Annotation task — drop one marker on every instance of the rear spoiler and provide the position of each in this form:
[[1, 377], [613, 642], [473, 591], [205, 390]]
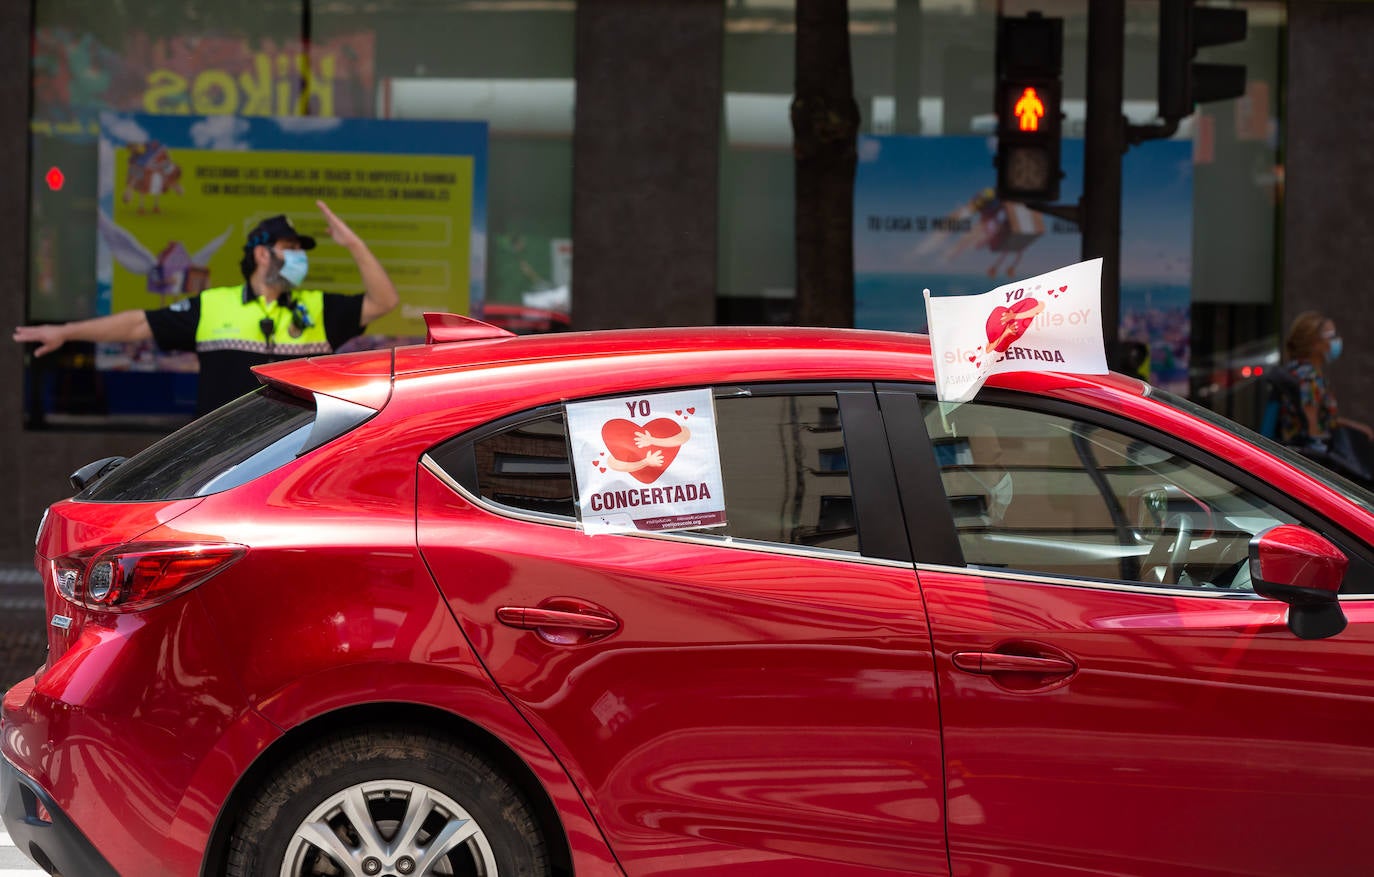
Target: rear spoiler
[[442, 328]]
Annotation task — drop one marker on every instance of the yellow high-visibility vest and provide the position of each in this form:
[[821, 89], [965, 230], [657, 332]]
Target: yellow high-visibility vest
[[229, 323]]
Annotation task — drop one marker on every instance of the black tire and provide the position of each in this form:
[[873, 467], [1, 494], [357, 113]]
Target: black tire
[[384, 770]]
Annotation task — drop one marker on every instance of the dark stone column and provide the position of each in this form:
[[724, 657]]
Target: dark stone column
[[1329, 177], [645, 146], [18, 514], [33, 465], [22, 631]]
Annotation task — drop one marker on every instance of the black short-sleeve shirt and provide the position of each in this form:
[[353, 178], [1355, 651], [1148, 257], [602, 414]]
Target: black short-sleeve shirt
[[227, 374]]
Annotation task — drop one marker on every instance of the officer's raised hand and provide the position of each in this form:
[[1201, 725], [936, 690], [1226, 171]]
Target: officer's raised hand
[[380, 294], [338, 229]]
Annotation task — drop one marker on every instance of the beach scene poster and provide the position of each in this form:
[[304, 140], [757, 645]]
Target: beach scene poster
[[926, 215]]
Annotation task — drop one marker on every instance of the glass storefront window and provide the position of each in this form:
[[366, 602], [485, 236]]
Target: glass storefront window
[[507, 64], [1200, 210], [756, 251]]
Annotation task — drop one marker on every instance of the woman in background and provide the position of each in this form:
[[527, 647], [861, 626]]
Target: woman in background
[[1310, 419]]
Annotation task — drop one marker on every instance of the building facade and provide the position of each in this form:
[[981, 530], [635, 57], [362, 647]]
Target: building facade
[[652, 139]]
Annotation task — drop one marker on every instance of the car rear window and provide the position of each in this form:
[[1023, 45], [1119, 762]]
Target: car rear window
[[783, 463], [228, 447]]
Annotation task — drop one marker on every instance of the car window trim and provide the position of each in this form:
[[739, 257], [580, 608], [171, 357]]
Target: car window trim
[[713, 539], [1217, 466], [877, 502], [1027, 576], [930, 527], [877, 506]]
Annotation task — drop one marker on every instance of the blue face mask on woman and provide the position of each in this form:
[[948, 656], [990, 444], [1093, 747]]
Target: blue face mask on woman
[[1333, 349], [295, 264]]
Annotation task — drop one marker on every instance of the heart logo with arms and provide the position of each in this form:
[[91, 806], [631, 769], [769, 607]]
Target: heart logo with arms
[[619, 436], [1006, 325]]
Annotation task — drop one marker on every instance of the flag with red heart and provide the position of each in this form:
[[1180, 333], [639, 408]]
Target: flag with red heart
[[1052, 322], [647, 463]]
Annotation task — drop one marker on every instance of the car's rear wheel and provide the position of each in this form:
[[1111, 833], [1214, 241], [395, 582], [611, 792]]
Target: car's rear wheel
[[387, 803]]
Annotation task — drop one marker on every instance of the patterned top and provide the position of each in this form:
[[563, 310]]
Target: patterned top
[[1312, 390]]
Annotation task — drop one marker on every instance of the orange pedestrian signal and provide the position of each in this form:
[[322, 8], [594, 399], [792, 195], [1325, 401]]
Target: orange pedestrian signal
[[1029, 110], [1028, 98]]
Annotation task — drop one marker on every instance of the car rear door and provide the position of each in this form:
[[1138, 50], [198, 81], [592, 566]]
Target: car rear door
[[1115, 698], [754, 701]]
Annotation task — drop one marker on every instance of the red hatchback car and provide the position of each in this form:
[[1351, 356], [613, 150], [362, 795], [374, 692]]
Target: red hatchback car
[[355, 623]]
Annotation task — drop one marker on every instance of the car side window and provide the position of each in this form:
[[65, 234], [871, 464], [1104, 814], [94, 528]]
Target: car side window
[[1051, 495], [786, 471], [526, 467], [783, 460]]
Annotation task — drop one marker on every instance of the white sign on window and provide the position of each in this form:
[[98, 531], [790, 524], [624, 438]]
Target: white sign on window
[[647, 463]]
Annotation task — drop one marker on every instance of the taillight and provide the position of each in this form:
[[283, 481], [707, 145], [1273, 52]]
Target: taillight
[[129, 578]]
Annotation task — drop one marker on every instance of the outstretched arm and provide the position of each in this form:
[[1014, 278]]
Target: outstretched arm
[[123, 326], [379, 293], [644, 439], [1356, 425], [1009, 328], [653, 458]]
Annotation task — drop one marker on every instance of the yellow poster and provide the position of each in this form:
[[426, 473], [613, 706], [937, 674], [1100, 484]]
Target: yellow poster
[[181, 216]]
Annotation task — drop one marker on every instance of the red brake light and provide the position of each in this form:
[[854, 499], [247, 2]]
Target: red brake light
[[129, 578]]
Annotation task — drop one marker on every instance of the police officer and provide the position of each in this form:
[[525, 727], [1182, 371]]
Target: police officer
[[271, 316]]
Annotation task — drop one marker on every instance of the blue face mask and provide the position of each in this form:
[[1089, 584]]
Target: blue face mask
[[1333, 350], [295, 264]]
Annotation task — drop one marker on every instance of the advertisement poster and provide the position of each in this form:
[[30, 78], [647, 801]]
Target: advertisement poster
[[178, 195], [75, 77], [647, 463], [1051, 322], [926, 216]]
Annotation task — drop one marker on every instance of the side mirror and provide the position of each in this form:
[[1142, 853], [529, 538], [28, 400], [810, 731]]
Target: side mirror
[[93, 471], [1296, 566]]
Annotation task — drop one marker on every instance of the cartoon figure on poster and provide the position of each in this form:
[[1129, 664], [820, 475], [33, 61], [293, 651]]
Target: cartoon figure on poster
[[151, 172], [647, 463], [1005, 229], [173, 271], [1052, 322]]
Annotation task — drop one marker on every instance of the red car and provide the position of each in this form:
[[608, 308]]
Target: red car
[[367, 620]]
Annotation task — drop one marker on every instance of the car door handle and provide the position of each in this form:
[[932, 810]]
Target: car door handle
[[533, 618], [988, 663]]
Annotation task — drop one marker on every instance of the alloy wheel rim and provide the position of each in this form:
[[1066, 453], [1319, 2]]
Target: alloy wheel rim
[[389, 828]]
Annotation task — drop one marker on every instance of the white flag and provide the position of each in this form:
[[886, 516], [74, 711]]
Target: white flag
[[1052, 322]]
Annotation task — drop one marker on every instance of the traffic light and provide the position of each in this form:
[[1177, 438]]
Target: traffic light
[[1030, 62], [1185, 27]]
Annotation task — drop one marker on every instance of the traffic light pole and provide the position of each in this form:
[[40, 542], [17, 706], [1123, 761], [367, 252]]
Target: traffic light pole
[[1184, 26], [1104, 143]]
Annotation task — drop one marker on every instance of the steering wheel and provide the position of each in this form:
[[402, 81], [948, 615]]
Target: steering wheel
[[1170, 550]]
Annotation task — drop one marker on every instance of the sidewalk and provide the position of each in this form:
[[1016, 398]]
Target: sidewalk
[[18, 574], [23, 632]]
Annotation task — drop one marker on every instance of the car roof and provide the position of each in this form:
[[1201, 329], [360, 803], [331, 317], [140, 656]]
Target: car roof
[[656, 342], [695, 354]]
